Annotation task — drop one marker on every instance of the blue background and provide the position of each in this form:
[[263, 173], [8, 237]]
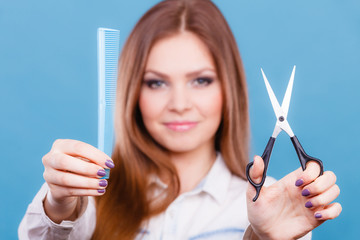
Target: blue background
[[48, 74]]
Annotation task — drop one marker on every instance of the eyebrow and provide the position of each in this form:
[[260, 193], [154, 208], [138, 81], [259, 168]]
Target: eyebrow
[[188, 75]]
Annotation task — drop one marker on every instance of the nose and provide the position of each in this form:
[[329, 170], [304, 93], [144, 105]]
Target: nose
[[180, 99]]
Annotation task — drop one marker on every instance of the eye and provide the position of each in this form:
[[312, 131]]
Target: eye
[[155, 84], [202, 81]]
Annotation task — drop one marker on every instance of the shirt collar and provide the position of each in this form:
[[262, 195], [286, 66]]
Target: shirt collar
[[217, 181]]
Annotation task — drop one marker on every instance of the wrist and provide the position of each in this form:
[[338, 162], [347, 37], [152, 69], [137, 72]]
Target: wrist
[[254, 235], [59, 210], [60, 202]]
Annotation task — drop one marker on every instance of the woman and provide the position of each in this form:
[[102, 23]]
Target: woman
[[178, 167]]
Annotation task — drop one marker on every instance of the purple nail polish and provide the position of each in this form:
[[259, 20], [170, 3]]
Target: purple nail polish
[[299, 182], [305, 192], [107, 174], [318, 215], [101, 190], [109, 164], [308, 204], [101, 173], [102, 183]]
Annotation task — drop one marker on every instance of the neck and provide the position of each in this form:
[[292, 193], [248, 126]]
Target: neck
[[193, 166]]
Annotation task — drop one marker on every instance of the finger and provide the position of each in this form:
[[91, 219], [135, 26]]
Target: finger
[[63, 162], [81, 149], [60, 191], [330, 211], [311, 172], [324, 198], [320, 185], [67, 179], [257, 169]]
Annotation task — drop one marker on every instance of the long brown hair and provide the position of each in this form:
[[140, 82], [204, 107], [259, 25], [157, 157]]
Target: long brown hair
[[126, 206]]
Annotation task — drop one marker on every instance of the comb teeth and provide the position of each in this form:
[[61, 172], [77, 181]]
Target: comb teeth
[[108, 51], [108, 61], [111, 62]]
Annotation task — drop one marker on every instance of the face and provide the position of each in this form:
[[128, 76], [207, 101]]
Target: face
[[181, 98]]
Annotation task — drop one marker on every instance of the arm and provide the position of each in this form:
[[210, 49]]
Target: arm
[[73, 172], [37, 225]]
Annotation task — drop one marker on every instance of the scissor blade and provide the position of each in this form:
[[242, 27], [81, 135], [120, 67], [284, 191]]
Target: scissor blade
[[286, 101], [273, 99]]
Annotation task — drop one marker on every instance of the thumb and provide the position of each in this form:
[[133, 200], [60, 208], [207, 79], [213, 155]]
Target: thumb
[[257, 169], [255, 172]]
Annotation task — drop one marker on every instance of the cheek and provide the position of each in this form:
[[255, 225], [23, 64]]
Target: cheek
[[150, 106], [211, 104]]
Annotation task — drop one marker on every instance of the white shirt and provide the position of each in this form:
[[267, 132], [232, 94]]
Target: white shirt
[[215, 209]]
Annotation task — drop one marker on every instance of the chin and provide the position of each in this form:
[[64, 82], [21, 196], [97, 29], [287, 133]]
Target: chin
[[180, 148], [184, 145], [184, 142]]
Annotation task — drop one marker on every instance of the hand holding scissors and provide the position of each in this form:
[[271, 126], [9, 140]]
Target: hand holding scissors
[[281, 125]]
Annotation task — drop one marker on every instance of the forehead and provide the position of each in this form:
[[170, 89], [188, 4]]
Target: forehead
[[182, 52]]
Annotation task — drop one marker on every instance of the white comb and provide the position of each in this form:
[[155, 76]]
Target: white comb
[[108, 54]]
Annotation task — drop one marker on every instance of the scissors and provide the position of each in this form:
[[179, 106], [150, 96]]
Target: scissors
[[282, 124]]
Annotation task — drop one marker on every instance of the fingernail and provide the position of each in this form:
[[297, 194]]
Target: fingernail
[[318, 215], [107, 174], [109, 164], [102, 183], [299, 182], [101, 173], [308, 204], [101, 190], [305, 192]]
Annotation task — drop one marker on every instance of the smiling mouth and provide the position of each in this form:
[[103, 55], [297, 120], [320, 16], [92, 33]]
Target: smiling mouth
[[180, 126]]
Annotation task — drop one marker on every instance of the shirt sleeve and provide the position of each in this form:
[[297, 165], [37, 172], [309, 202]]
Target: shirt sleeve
[[37, 225]]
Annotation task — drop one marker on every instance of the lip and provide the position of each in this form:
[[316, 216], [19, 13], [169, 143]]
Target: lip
[[180, 126]]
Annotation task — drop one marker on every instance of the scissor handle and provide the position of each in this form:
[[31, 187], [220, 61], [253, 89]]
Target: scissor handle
[[303, 157], [266, 158]]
